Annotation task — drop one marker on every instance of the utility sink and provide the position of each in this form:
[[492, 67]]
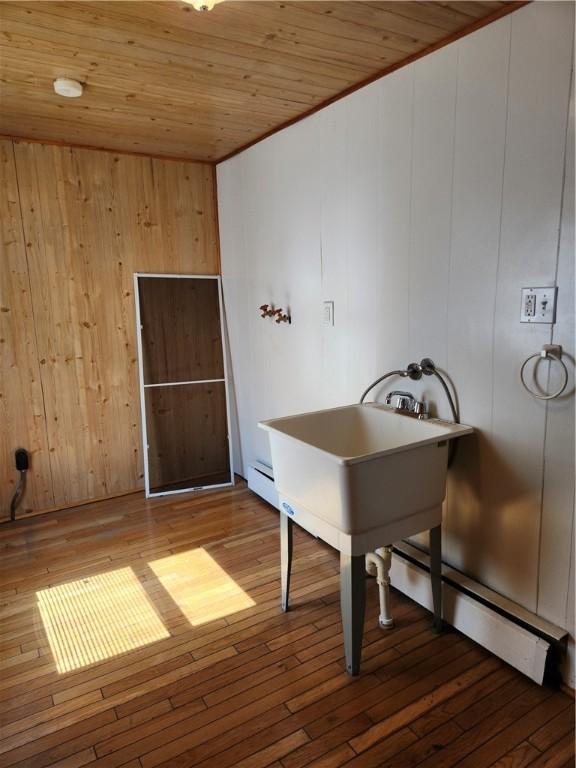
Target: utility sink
[[361, 468], [360, 478]]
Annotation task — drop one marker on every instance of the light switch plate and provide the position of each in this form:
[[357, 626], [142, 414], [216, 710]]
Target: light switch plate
[[538, 305], [328, 313]]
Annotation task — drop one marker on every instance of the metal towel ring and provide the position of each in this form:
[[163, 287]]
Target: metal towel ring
[[548, 352]]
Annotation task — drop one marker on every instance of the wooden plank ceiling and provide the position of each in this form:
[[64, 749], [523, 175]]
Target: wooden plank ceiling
[[163, 79]]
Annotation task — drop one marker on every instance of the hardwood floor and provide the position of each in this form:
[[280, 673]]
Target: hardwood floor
[[111, 655]]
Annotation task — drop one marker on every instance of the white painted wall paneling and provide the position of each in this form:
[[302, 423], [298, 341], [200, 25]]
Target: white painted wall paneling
[[421, 205]]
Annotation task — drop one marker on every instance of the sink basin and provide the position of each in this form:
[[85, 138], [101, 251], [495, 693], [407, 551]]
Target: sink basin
[[361, 468], [360, 478]]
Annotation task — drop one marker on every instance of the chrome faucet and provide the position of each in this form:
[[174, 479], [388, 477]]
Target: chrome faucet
[[407, 403]]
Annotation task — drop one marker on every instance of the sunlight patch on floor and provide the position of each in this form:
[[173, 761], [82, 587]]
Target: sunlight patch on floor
[[97, 618], [199, 586]]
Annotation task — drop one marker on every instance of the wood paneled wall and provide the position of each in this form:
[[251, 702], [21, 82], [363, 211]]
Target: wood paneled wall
[[22, 422], [76, 225]]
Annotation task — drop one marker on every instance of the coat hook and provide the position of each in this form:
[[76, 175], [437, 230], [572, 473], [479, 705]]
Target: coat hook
[[266, 311]]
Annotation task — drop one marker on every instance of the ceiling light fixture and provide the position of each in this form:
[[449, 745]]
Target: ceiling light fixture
[[63, 86], [202, 5]]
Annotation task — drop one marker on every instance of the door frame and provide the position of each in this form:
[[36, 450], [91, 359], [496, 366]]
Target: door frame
[[143, 386]]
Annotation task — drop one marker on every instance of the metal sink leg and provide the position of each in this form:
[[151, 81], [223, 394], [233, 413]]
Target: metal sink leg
[[436, 575], [286, 526], [352, 606]]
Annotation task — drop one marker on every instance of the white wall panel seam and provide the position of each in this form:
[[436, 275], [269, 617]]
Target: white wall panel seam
[[410, 199], [450, 247], [499, 258], [569, 609], [551, 339]]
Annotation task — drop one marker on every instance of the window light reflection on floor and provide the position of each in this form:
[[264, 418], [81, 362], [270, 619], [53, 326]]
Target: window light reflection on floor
[[97, 618], [199, 586]]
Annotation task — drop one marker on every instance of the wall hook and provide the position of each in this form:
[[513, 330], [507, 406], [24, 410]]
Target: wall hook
[[267, 311]]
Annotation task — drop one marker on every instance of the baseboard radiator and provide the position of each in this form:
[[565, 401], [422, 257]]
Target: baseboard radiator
[[522, 639], [261, 481]]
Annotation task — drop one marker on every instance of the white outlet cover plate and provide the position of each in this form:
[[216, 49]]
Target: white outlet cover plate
[[538, 305]]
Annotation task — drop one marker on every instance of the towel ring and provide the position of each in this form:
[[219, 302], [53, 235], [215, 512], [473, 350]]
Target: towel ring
[[548, 352]]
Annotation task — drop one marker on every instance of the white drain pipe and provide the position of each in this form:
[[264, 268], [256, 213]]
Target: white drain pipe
[[379, 563]]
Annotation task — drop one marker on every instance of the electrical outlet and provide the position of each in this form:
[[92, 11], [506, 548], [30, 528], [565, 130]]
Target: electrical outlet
[[538, 305], [328, 313], [530, 305]]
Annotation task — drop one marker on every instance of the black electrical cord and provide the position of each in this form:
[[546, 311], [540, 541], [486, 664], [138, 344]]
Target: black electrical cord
[[22, 464], [17, 494]]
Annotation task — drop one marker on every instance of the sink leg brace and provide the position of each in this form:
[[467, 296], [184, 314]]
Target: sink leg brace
[[352, 606]]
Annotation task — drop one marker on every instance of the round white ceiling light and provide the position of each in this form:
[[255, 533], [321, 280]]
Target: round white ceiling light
[[202, 5], [63, 86]]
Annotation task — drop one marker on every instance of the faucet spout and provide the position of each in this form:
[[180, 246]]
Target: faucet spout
[[407, 403]]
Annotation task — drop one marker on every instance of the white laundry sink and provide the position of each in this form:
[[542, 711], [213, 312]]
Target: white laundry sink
[[360, 478], [361, 468]]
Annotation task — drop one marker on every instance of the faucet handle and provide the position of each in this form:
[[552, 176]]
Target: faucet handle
[[421, 409], [427, 366], [414, 371]]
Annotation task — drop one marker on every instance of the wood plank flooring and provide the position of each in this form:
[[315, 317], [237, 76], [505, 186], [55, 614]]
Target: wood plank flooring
[[112, 654]]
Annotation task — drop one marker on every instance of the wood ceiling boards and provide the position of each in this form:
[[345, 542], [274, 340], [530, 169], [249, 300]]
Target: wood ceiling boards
[[163, 79]]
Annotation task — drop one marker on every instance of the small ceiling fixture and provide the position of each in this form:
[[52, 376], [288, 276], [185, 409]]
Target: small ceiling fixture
[[202, 5], [63, 86]]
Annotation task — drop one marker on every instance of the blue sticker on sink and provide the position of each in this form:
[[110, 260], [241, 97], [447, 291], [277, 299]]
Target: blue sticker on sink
[[287, 508]]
